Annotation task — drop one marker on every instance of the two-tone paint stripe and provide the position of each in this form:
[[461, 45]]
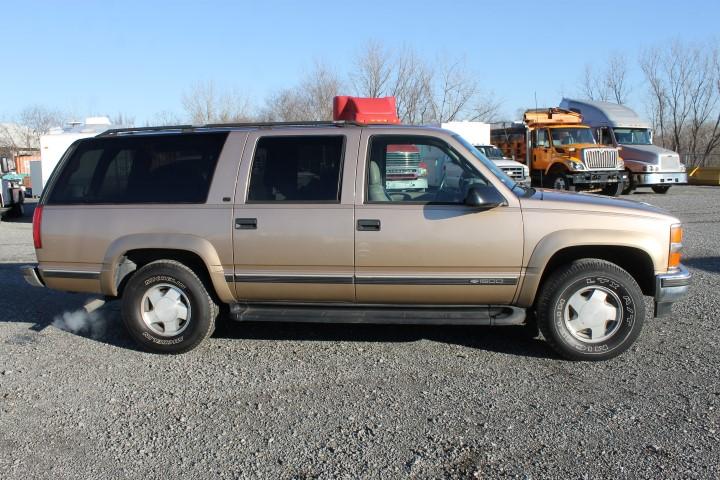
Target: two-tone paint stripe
[[373, 280], [70, 274]]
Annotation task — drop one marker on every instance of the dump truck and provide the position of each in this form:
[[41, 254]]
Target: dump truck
[[561, 152], [616, 125]]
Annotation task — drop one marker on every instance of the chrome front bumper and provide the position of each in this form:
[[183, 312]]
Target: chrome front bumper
[[660, 178], [669, 288], [31, 275]]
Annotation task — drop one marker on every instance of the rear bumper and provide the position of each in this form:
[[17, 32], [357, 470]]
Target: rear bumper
[[32, 276], [669, 288], [660, 178]]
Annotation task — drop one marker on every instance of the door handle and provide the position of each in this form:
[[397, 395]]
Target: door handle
[[368, 225], [246, 223]]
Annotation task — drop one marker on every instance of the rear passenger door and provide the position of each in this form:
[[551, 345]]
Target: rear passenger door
[[294, 216]]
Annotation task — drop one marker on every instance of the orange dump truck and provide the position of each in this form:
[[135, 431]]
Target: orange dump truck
[[561, 152]]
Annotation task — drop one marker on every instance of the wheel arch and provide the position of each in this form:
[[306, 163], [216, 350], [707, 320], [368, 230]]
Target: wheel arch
[[129, 253], [640, 255]]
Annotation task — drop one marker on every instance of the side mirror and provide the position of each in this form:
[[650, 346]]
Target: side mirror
[[484, 197]]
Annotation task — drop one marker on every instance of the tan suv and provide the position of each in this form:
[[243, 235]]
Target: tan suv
[[300, 223]]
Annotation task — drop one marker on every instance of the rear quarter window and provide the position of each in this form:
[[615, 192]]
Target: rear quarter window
[[139, 169]]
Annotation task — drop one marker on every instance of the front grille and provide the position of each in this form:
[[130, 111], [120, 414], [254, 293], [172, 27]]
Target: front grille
[[398, 159], [669, 163], [513, 172], [600, 158]]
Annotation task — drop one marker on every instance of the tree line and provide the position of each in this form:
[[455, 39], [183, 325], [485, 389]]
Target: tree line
[[680, 93]]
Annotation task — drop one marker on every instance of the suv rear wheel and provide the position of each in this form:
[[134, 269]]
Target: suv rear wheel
[[590, 310], [167, 308]]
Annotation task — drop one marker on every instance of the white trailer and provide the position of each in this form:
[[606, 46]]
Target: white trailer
[[56, 142]]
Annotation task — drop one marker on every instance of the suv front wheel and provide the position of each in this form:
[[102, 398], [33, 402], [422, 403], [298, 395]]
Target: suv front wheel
[[590, 310], [167, 308]]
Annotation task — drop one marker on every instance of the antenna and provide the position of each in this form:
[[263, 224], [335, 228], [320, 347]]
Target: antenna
[[529, 159]]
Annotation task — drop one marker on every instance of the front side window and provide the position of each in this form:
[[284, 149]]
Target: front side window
[[541, 139], [139, 169], [417, 170], [297, 169]]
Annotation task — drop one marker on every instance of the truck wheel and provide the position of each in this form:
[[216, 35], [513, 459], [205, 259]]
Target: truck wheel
[[18, 210], [660, 188], [630, 185], [560, 181], [590, 310], [167, 308], [613, 189]]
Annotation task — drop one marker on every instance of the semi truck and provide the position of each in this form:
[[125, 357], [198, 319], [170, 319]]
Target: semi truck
[[561, 152], [478, 135], [616, 125]]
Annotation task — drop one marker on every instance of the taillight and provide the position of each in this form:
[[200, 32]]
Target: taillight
[[675, 254], [37, 221]]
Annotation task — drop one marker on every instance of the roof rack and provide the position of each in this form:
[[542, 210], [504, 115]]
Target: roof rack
[[225, 126]]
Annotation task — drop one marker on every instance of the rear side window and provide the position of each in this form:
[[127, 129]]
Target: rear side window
[[296, 169], [139, 169]]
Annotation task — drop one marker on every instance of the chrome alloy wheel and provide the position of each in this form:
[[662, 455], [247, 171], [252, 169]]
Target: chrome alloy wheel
[[165, 309], [593, 314]]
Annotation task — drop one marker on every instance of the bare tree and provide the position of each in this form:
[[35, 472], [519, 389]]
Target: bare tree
[[164, 117], [373, 71], [311, 99], [443, 92], [122, 119], [37, 120], [684, 98], [610, 84], [204, 104]]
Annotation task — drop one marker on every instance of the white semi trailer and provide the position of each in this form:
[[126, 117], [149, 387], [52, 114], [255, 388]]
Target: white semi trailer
[[648, 165]]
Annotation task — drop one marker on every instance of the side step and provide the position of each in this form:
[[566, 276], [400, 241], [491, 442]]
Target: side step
[[440, 315]]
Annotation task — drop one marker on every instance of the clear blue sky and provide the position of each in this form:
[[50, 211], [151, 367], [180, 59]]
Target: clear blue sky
[[137, 57]]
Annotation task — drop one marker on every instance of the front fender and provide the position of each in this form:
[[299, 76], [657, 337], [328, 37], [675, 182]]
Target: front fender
[[554, 242], [181, 242]]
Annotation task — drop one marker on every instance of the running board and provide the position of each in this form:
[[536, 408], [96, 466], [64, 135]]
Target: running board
[[477, 315]]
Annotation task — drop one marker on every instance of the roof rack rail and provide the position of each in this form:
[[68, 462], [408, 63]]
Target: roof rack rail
[[221, 126]]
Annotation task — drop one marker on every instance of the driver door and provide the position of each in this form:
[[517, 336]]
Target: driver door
[[416, 242]]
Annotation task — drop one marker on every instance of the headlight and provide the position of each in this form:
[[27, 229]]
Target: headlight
[[620, 164], [526, 171], [682, 167], [651, 168], [575, 165]]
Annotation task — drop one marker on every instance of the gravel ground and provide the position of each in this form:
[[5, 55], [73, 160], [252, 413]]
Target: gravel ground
[[349, 401]]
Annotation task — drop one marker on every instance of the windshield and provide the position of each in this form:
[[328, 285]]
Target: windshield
[[632, 136], [491, 152], [488, 163], [571, 136]]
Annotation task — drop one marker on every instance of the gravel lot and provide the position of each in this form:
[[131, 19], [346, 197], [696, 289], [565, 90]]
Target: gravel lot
[[349, 401]]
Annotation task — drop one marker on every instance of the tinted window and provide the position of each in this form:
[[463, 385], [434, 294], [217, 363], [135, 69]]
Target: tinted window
[[296, 169], [418, 169], [139, 169]]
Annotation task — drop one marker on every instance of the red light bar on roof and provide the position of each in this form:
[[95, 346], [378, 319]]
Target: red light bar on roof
[[365, 110]]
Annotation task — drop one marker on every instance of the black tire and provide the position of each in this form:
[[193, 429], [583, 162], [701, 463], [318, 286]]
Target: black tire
[[560, 181], [630, 185], [660, 188], [17, 210], [565, 285], [613, 189], [201, 309]]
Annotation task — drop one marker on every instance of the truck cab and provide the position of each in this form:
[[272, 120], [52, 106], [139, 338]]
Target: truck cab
[[647, 165], [562, 152]]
